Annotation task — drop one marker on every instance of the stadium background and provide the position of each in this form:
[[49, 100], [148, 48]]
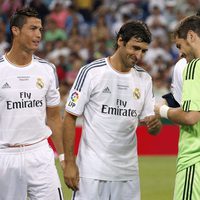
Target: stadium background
[[79, 31]]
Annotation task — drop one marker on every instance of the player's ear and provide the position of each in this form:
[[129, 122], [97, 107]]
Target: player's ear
[[191, 36], [120, 41], [15, 30]]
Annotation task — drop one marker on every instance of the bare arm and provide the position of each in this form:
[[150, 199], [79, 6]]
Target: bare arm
[[177, 115], [55, 123], [71, 173], [69, 128]]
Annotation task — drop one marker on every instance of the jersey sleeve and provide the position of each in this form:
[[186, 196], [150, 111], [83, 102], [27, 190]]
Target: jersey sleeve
[[149, 102], [53, 95], [80, 93], [177, 79], [191, 87]]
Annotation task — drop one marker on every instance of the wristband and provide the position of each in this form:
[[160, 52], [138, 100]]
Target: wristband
[[61, 157], [163, 111]]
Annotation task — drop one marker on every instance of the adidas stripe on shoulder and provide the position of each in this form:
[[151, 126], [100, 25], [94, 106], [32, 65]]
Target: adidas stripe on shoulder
[[139, 69], [84, 71], [190, 70]]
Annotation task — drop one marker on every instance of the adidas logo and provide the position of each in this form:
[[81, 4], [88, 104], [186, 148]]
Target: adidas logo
[[106, 90], [6, 85]]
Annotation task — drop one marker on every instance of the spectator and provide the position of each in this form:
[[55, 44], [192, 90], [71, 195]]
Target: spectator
[[53, 32], [59, 14]]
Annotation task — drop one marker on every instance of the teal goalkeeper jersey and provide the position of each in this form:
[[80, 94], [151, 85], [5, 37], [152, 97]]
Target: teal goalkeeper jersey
[[189, 141]]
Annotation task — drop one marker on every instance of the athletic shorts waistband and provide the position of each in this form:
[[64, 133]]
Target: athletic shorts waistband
[[25, 148]]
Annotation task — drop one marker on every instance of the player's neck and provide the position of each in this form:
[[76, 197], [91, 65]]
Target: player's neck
[[19, 58], [197, 53], [116, 64]]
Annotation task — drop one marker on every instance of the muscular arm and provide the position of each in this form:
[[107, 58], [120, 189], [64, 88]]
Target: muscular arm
[[71, 172], [69, 128], [177, 115], [55, 123]]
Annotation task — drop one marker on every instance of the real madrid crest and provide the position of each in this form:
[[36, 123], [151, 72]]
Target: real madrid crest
[[136, 93], [39, 83]]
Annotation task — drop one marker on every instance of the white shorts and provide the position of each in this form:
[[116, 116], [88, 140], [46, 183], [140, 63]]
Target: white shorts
[[90, 189], [29, 172]]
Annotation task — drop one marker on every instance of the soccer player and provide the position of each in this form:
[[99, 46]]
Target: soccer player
[[29, 104], [113, 95], [187, 37], [173, 99]]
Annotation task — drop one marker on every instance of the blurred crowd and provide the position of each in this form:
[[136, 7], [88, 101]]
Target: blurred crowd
[[78, 31]]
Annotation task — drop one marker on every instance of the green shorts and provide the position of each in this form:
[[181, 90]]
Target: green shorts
[[187, 183]]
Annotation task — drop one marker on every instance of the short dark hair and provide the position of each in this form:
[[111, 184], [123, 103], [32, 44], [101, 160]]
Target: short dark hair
[[18, 19], [134, 29], [187, 24]]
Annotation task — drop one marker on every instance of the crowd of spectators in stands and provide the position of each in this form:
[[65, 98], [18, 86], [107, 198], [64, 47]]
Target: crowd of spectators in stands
[[77, 32]]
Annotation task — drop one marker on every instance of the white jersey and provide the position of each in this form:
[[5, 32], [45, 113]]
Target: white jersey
[[25, 92], [111, 104], [177, 79]]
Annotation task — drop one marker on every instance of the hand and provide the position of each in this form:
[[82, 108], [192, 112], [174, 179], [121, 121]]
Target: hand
[[157, 110], [62, 164], [71, 175], [157, 107], [153, 124]]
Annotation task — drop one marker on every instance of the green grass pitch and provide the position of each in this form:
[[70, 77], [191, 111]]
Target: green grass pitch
[[157, 176]]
